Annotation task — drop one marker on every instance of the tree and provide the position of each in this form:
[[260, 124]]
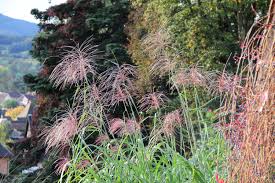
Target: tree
[[4, 129], [10, 103], [202, 32], [73, 22], [13, 113]]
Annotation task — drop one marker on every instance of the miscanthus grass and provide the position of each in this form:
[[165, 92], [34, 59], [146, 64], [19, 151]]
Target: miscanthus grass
[[152, 140], [133, 158]]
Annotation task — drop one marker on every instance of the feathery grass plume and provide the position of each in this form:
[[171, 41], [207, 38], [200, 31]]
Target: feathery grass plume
[[77, 62], [116, 125], [157, 43], [118, 84], [197, 76], [170, 122], [84, 164], [131, 127], [120, 127], [152, 101], [91, 96], [61, 165], [227, 83], [192, 76], [101, 139], [60, 134], [162, 66], [181, 78]]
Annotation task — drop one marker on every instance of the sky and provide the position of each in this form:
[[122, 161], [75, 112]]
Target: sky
[[21, 9]]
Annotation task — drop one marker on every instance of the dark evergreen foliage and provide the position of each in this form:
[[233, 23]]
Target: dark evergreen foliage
[[73, 22]]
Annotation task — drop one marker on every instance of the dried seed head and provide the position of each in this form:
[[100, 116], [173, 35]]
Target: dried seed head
[[59, 135], [101, 139], [152, 101], [118, 84], [197, 77], [173, 117], [75, 65], [192, 76], [168, 129], [91, 96], [226, 83], [119, 127], [162, 66], [131, 127], [116, 125], [157, 43], [62, 165], [170, 121]]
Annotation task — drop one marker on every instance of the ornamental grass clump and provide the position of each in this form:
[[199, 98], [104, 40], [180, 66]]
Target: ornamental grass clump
[[114, 134], [251, 112]]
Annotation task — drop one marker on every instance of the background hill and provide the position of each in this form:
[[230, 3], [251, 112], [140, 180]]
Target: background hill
[[15, 61], [15, 27]]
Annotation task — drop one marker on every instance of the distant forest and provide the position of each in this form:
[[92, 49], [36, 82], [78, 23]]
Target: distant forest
[[15, 62], [14, 45]]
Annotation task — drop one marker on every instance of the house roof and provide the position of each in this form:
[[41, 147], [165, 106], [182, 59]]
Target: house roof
[[3, 96], [30, 97], [25, 112], [15, 94], [4, 152], [19, 125]]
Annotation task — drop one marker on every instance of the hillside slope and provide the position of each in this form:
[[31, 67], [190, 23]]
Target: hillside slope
[[15, 61], [14, 27]]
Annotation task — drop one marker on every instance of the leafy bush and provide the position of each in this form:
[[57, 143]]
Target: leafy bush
[[4, 131], [11, 103], [201, 32], [14, 112]]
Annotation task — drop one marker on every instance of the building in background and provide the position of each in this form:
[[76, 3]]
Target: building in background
[[5, 156], [20, 128]]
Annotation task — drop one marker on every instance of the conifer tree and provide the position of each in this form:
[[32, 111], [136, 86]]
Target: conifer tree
[[67, 24]]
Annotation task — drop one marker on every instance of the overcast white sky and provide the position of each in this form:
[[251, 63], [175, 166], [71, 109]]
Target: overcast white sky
[[21, 9]]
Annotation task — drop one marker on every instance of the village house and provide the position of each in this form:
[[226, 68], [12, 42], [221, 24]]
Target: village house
[[20, 98], [5, 156], [21, 127], [4, 97]]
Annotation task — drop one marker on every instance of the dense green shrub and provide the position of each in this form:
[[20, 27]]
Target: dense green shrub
[[202, 32], [4, 131], [11, 103]]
